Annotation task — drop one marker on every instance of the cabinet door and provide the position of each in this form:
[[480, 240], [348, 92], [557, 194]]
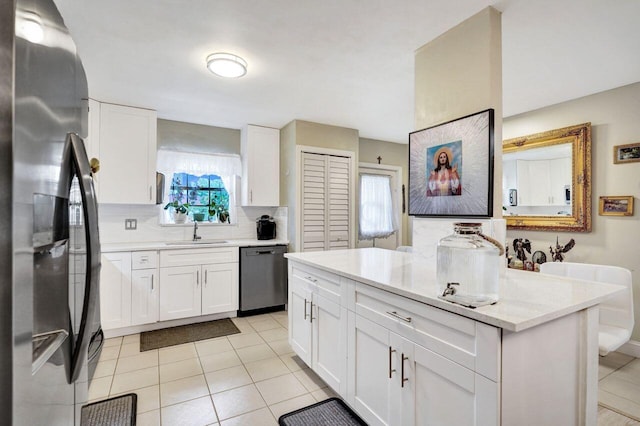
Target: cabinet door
[[219, 288], [299, 323], [144, 296], [127, 155], [329, 342], [260, 148], [372, 372], [180, 294], [438, 391], [115, 290]]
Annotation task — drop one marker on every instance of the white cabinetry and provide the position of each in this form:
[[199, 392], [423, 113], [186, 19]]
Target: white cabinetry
[[542, 182], [411, 364], [115, 290], [318, 324], [144, 287], [198, 281], [260, 150], [127, 154], [405, 363]]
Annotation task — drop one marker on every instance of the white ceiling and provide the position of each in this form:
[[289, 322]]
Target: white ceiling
[[343, 62]]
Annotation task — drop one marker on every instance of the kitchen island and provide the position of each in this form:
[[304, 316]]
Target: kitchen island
[[369, 323]]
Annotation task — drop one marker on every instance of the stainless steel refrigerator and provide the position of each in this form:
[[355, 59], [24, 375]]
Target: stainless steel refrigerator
[[50, 335]]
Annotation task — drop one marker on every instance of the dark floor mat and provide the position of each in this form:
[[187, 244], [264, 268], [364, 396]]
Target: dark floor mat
[[186, 333], [330, 412], [118, 411]]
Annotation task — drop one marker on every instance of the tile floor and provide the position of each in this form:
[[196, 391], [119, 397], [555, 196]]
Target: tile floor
[[619, 386], [251, 378]]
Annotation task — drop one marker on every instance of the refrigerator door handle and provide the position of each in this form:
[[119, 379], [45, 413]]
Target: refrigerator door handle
[[76, 159]]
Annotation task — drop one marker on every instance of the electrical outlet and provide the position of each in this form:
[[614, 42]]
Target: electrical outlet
[[131, 224]]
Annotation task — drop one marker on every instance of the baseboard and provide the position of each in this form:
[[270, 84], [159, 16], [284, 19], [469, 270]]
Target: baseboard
[[632, 347], [117, 332]]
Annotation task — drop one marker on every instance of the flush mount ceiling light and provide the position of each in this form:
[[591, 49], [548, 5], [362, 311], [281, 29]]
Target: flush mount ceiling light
[[226, 65]]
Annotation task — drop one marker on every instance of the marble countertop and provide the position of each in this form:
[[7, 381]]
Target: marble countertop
[[526, 299], [173, 245]]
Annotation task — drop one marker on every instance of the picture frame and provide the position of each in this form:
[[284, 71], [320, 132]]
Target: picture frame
[[616, 205], [451, 168], [629, 153]]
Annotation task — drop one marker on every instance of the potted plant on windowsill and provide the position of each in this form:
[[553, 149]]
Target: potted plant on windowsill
[[180, 211], [219, 207]]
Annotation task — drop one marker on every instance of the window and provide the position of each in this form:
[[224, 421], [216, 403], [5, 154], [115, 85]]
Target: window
[[205, 182], [206, 196], [376, 207]]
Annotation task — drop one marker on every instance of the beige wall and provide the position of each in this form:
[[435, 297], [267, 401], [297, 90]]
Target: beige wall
[[392, 154], [614, 121], [460, 73], [190, 137], [306, 133]]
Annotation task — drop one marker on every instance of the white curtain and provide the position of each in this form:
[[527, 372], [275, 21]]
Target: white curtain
[[376, 207], [223, 165]]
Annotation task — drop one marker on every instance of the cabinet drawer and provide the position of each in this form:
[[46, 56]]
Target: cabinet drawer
[[324, 283], [144, 259], [467, 342], [188, 257]]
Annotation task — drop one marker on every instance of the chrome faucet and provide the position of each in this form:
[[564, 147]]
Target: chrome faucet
[[196, 237], [450, 291]]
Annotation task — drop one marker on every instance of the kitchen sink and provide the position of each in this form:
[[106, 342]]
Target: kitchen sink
[[197, 242]]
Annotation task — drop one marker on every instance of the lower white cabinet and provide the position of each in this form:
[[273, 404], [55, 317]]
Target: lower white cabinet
[[144, 287], [397, 382], [394, 360], [189, 287], [115, 290], [318, 325], [181, 295], [219, 288]]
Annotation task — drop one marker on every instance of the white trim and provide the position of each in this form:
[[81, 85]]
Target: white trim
[[351, 155], [124, 331], [632, 347]]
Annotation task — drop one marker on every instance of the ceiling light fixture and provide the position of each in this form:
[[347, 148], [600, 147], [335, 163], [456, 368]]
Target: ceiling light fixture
[[226, 65]]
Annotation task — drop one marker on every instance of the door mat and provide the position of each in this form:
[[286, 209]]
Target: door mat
[[118, 411], [186, 333], [330, 412]]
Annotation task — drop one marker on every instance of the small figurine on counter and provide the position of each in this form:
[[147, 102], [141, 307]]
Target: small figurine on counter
[[520, 245], [556, 253]]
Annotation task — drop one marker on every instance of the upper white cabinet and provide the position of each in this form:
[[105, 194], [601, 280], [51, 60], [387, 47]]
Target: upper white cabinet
[[260, 149], [543, 182], [126, 148]]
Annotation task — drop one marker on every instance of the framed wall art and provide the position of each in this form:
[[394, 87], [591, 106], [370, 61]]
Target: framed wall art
[[451, 168], [629, 153], [616, 205]]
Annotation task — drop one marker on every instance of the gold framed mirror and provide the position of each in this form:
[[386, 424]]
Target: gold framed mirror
[[546, 180]]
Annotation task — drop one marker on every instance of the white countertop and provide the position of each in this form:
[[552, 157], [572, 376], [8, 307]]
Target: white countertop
[[172, 245], [527, 299]]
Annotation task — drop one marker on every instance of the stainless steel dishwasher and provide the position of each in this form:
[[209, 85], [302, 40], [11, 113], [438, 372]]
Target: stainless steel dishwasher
[[263, 279]]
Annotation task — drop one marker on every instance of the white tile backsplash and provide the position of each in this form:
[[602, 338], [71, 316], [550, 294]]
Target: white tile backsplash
[[112, 216]]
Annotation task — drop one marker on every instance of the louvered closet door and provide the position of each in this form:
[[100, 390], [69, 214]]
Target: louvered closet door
[[313, 202], [338, 206], [325, 202]]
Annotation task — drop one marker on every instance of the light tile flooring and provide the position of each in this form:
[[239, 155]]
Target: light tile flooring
[[619, 386], [251, 378]]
